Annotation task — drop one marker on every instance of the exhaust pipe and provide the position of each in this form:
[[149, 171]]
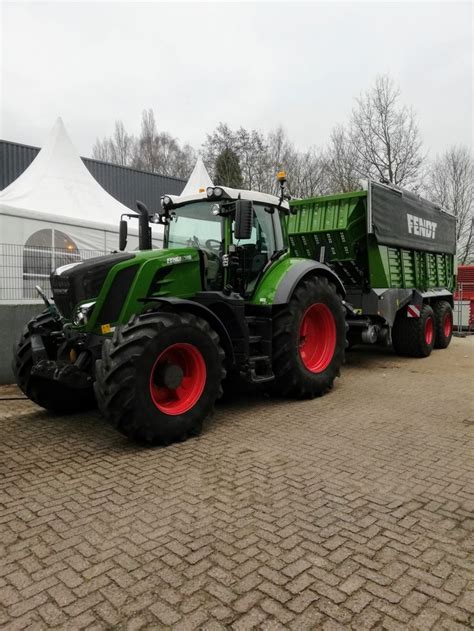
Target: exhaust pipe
[[144, 230]]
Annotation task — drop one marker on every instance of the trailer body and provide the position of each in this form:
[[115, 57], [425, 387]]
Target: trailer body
[[390, 248]]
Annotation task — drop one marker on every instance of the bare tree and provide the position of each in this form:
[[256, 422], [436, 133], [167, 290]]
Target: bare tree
[[450, 184], [121, 145], [385, 135], [146, 148], [252, 150], [117, 149], [101, 150], [154, 151], [282, 156], [342, 162], [260, 157]]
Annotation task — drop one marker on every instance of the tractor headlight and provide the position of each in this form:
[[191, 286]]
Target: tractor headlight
[[83, 313], [218, 192], [210, 191]]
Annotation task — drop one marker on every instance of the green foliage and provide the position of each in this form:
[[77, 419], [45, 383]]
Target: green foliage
[[227, 169]]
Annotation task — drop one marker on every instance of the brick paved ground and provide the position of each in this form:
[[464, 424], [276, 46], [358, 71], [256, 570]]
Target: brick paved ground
[[352, 511]]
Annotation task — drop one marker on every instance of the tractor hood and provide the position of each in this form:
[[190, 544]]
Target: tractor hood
[[109, 278]]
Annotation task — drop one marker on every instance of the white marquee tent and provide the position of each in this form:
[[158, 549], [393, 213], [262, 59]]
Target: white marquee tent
[[58, 189], [198, 181], [54, 212]]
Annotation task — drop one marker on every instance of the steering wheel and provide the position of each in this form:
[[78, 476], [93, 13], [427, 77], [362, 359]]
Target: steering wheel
[[213, 244], [193, 242]]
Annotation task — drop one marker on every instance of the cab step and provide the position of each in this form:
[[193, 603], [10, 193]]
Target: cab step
[[260, 369]]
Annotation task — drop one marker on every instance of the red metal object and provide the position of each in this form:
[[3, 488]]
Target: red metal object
[[448, 324], [465, 284], [429, 330], [465, 289], [180, 399], [317, 337]]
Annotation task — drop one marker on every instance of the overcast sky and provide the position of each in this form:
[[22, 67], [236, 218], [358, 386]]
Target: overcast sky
[[256, 65]]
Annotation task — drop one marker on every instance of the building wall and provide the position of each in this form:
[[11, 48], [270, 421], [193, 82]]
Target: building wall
[[12, 320], [125, 184]]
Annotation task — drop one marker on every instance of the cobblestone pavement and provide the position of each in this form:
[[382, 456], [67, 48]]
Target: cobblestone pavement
[[354, 511]]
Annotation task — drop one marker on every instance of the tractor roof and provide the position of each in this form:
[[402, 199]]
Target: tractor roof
[[229, 194]]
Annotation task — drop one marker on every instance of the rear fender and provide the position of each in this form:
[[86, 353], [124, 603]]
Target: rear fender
[[279, 283]]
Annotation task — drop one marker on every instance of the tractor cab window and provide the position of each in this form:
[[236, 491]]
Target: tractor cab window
[[255, 252], [194, 226]]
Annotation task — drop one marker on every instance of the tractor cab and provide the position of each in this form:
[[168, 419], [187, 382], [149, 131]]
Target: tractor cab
[[238, 233]]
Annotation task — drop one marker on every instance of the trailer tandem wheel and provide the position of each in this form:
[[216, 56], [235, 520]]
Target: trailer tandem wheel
[[443, 314], [414, 337]]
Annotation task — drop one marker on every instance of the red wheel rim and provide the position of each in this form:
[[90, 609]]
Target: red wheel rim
[[317, 338], [429, 330], [178, 400], [448, 325]]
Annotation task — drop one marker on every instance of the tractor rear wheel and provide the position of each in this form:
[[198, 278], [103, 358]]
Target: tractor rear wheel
[[414, 337], [443, 313], [52, 396], [159, 377], [309, 340]]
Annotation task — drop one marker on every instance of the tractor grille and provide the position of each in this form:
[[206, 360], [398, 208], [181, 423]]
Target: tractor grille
[[63, 295], [82, 281]]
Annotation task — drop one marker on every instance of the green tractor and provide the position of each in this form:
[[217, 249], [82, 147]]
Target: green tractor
[[153, 336]]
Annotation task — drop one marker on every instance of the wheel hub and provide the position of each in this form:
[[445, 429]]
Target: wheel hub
[[169, 375]]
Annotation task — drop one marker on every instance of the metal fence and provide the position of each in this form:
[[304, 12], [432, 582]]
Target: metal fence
[[22, 267]]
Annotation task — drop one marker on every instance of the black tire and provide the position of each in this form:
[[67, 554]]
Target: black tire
[[124, 387], [292, 376], [52, 396], [443, 313], [409, 335]]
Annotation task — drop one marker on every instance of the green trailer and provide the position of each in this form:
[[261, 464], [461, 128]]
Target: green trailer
[[394, 253]]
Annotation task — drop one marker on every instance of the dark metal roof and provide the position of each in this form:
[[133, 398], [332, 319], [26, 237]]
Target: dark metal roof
[[124, 183]]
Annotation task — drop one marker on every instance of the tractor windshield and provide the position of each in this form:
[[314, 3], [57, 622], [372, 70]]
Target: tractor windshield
[[194, 226]]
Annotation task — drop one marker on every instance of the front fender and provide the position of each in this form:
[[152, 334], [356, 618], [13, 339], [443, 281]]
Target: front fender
[[280, 281], [201, 311]]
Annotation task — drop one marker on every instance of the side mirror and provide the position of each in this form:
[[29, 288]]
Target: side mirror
[[123, 234], [243, 219]]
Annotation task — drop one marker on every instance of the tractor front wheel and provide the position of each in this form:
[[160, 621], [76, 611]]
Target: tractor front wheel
[[51, 395], [159, 377], [309, 339]]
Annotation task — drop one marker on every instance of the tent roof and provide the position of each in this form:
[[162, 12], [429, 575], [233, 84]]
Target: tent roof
[[199, 179], [58, 183]]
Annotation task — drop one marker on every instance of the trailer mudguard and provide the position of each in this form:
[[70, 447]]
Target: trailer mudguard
[[295, 275]]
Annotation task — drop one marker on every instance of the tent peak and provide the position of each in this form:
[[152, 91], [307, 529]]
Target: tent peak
[[199, 179], [58, 182]]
